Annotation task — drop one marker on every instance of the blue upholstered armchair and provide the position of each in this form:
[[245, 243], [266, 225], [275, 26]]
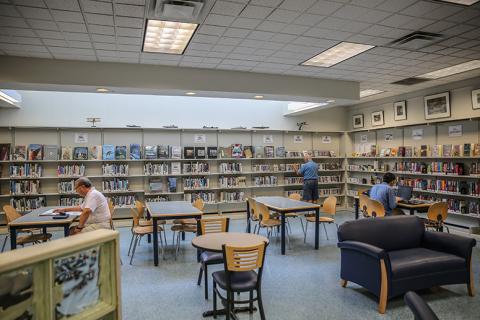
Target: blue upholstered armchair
[[393, 255]]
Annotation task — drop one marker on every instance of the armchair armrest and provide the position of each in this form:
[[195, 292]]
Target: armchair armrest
[[368, 249], [450, 243]]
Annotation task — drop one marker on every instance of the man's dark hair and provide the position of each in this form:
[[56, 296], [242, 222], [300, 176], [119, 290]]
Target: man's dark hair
[[83, 181], [388, 177]]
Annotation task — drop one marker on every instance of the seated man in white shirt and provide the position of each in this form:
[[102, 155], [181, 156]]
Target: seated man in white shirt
[[95, 212]]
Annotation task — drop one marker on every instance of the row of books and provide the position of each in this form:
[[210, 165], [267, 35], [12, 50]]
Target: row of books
[[322, 192], [134, 152], [66, 186], [232, 182], [439, 150], [20, 187], [161, 168], [31, 170], [207, 197], [197, 167], [115, 185], [437, 167], [70, 201], [265, 181], [28, 204], [115, 169], [232, 196], [71, 170], [123, 200], [158, 185], [372, 180], [321, 179], [230, 167], [196, 183], [441, 185], [456, 205]]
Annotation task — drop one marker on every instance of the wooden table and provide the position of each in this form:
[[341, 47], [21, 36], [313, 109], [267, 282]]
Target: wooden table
[[411, 207], [169, 210], [215, 241], [284, 205], [35, 220]]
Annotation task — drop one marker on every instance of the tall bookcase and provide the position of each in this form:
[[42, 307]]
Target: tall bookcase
[[139, 182], [435, 183]]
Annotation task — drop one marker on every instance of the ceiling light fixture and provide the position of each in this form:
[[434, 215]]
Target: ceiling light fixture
[[190, 93], [258, 97], [462, 2], [103, 90], [369, 92], [337, 54], [301, 106], [445, 72], [8, 98], [167, 36], [331, 101]]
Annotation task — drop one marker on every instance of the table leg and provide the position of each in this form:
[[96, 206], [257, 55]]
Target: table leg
[[149, 238], [412, 211], [317, 227], [66, 230], [248, 218], [282, 231], [13, 238], [155, 241], [357, 208], [44, 231]]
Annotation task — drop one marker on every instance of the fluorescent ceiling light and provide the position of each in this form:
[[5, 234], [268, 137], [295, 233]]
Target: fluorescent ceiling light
[[462, 2], [369, 92], [301, 106], [445, 72], [337, 54], [190, 93], [8, 98], [167, 36], [102, 90], [258, 97]]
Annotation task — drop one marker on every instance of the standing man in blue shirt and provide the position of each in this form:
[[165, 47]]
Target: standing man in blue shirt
[[309, 171], [386, 195]]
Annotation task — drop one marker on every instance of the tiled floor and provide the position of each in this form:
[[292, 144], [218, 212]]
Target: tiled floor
[[304, 284]]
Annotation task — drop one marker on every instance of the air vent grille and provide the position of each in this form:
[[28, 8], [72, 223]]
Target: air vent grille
[[410, 81], [417, 40]]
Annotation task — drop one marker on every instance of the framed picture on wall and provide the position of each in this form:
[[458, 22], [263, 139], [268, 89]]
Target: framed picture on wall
[[476, 99], [358, 121], [400, 110], [437, 106], [377, 118]]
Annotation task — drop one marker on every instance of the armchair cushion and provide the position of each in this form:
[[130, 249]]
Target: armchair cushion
[[417, 262], [449, 243], [240, 281]]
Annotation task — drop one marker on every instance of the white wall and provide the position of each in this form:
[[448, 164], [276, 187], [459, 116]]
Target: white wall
[[460, 105], [70, 109]]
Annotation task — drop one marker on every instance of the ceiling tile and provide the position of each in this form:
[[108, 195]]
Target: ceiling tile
[[72, 27], [297, 5], [295, 29], [266, 3], [72, 51], [202, 38], [30, 3], [103, 38], [280, 15], [271, 26], [47, 34], [308, 19], [109, 30], [22, 32], [76, 36], [236, 32], [283, 38], [420, 8], [80, 44], [71, 5], [211, 30], [129, 10], [13, 22], [244, 50], [100, 19], [229, 41], [128, 32], [67, 16], [97, 7], [260, 35], [8, 10], [43, 24], [246, 23], [396, 20], [26, 40], [227, 8], [219, 20], [256, 12], [35, 13], [129, 40], [325, 7], [55, 43], [129, 22], [104, 46]]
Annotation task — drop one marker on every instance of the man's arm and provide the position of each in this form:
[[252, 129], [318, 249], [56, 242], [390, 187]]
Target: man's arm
[[299, 169], [82, 220], [68, 209], [392, 198]]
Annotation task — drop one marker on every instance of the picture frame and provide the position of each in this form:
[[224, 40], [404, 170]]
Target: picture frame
[[437, 106], [357, 121], [400, 110], [377, 118], [476, 99]]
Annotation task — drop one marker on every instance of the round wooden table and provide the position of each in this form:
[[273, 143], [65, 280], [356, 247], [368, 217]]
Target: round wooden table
[[214, 241]]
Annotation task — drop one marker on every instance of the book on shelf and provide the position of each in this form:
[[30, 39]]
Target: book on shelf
[[150, 152], [156, 185], [401, 151], [269, 152], [476, 150], [212, 152], [163, 152], [67, 153], [95, 153], [172, 184], [393, 152], [176, 168], [135, 151], [258, 152], [108, 152], [80, 153], [50, 152], [437, 150], [424, 150], [120, 152], [280, 152], [408, 151], [467, 151], [176, 152], [225, 152], [447, 150], [248, 152], [237, 150], [200, 153], [188, 152], [4, 151], [456, 150], [35, 151]]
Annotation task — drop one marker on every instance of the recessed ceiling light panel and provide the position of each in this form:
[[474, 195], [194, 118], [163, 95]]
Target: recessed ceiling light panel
[[445, 72], [190, 93], [462, 2], [167, 36], [369, 92], [337, 54]]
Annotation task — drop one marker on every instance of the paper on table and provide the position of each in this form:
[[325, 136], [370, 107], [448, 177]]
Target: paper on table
[[49, 213]]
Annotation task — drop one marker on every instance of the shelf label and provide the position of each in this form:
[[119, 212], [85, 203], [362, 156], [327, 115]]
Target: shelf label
[[81, 137], [298, 138], [267, 138], [326, 139], [363, 138], [417, 134], [388, 136], [455, 131], [200, 138]]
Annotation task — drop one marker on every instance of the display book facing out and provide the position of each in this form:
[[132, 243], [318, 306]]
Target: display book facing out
[[447, 172], [77, 276], [26, 177]]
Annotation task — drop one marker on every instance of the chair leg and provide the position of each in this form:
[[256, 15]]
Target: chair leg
[[178, 244], [325, 228], [200, 273], [131, 242], [134, 247], [206, 282], [382, 303], [214, 292], [301, 223], [227, 313], [343, 283], [4, 242], [251, 301], [162, 244], [260, 304], [165, 236], [305, 235]]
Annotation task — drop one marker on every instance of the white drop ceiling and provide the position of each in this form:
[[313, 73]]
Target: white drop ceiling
[[264, 36]]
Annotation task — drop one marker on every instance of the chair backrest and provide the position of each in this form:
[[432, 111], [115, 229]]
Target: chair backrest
[[214, 225], [199, 204], [363, 202], [11, 213], [262, 211], [137, 212], [375, 208], [252, 206], [111, 208], [295, 196], [389, 233], [239, 259], [330, 205], [438, 212]]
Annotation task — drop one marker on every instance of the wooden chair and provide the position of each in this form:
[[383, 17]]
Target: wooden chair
[[267, 222], [298, 197], [210, 225], [181, 226], [363, 203], [253, 216], [200, 205], [11, 214], [138, 231], [111, 208], [242, 272], [436, 216], [375, 208], [329, 207]]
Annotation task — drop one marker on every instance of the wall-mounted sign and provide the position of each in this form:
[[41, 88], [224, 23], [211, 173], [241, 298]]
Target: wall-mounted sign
[[363, 138], [81, 137], [267, 138], [298, 138], [455, 131], [388, 136], [326, 139], [200, 138], [417, 134]]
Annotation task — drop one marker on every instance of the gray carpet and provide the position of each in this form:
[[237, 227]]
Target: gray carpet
[[304, 284]]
